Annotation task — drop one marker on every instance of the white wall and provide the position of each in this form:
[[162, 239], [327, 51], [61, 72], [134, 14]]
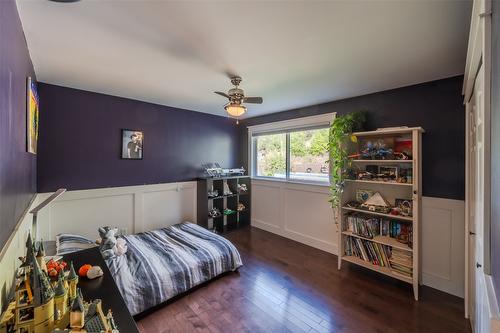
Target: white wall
[[132, 209], [303, 213]]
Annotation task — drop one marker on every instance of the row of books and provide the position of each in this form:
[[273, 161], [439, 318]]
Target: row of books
[[394, 228], [402, 262], [375, 253], [362, 225], [399, 261]]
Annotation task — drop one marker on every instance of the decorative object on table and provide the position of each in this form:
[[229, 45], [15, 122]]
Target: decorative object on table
[[241, 207], [109, 245], [228, 211], [227, 190], [242, 188], [214, 212], [405, 206], [32, 116], [363, 195], [132, 144], [213, 193], [388, 173], [340, 137], [377, 203], [54, 268], [82, 271], [94, 272], [40, 306]]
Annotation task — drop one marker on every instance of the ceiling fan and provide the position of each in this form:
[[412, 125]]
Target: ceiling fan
[[236, 97]]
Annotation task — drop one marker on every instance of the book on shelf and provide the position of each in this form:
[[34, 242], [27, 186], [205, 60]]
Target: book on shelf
[[399, 261], [368, 227], [375, 253], [361, 225]]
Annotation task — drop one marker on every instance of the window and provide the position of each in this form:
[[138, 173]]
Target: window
[[309, 155], [298, 154], [270, 155]]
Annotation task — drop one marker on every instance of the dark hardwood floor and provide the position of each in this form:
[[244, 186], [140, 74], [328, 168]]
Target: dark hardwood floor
[[287, 286]]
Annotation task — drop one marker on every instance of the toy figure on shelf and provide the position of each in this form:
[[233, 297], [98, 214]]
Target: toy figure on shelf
[[241, 207], [213, 193], [242, 188], [377, 150], [42, 306], [214, 212], [227, 191]]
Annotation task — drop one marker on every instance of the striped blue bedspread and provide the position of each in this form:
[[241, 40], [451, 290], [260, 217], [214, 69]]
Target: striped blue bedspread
[[163, 263]]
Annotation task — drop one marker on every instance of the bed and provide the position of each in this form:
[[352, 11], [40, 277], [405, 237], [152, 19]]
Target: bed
[[163, 263]]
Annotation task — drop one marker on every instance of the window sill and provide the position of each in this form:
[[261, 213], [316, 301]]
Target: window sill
[[294, 182]]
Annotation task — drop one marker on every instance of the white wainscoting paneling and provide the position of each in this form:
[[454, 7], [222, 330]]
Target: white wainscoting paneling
[[13, 249], [297, 211], [302, 212], [443, 247], [131, 209]]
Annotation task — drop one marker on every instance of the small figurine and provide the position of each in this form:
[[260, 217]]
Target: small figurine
[[214, 212], [94, 272], [242, 188], [241, 207], [227, 191]]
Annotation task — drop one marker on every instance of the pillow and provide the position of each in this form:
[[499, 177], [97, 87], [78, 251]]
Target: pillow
[[67, 243]]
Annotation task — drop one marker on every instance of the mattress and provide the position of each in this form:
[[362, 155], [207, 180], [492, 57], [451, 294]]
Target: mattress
[[163, 263]]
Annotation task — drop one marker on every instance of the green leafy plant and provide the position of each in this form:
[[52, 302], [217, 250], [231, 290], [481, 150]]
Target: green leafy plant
[[338, 147]]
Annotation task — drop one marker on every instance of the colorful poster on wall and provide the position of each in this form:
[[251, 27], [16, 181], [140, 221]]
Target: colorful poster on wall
[[32, 115]]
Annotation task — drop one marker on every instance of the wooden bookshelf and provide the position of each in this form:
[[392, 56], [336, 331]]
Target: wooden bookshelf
[[390, 190]]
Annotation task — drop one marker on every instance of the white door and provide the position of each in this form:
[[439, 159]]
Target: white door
[[476, 208]]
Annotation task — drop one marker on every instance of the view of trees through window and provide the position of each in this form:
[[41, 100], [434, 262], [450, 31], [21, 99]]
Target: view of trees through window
[[308, 155]]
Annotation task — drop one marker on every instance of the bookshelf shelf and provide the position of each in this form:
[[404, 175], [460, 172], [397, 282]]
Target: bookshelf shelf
[[369, 212], [383, 248], [385, 240], [376, 268], [378, 182]]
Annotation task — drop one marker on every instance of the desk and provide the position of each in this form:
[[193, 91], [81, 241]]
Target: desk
[[103, 288]]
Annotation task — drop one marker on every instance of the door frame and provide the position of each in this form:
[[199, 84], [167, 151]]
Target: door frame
[[478, 54]]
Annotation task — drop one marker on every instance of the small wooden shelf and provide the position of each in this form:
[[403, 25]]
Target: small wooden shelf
[[382, 161], [384, 270], [369, 212], [385, 240], [378, 182]]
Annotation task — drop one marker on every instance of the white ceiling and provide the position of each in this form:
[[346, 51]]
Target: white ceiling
[[293, 54]]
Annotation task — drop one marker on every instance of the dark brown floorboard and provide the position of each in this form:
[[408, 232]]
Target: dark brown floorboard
[[285, 286]]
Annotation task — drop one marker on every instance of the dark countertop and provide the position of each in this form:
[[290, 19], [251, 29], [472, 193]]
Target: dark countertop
[[103, 288]]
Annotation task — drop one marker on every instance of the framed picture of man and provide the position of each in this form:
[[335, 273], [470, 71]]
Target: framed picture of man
[[132, 144]]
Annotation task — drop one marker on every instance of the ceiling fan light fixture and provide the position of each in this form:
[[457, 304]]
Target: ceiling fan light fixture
[[235, 110]]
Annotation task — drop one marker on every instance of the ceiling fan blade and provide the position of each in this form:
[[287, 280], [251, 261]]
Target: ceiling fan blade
[[222, 94], [255, 100]]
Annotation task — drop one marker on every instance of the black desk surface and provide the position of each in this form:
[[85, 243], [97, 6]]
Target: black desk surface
[[103, 288]]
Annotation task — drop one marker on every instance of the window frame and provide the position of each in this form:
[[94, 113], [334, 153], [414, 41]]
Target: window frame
[[286, 126]]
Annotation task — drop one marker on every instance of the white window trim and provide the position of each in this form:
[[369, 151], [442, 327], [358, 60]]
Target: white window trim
[[286, 125]]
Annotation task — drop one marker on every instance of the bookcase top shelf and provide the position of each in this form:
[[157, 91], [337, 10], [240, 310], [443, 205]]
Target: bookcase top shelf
[[390, 131], [384, 240], [366, 211]]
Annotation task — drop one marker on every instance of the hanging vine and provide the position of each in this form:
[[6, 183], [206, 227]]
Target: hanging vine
[[340, 135]]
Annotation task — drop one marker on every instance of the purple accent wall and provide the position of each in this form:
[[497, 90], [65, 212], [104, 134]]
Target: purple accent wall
[[17, 167], [437, 106], [495, 147], [80, 141]]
